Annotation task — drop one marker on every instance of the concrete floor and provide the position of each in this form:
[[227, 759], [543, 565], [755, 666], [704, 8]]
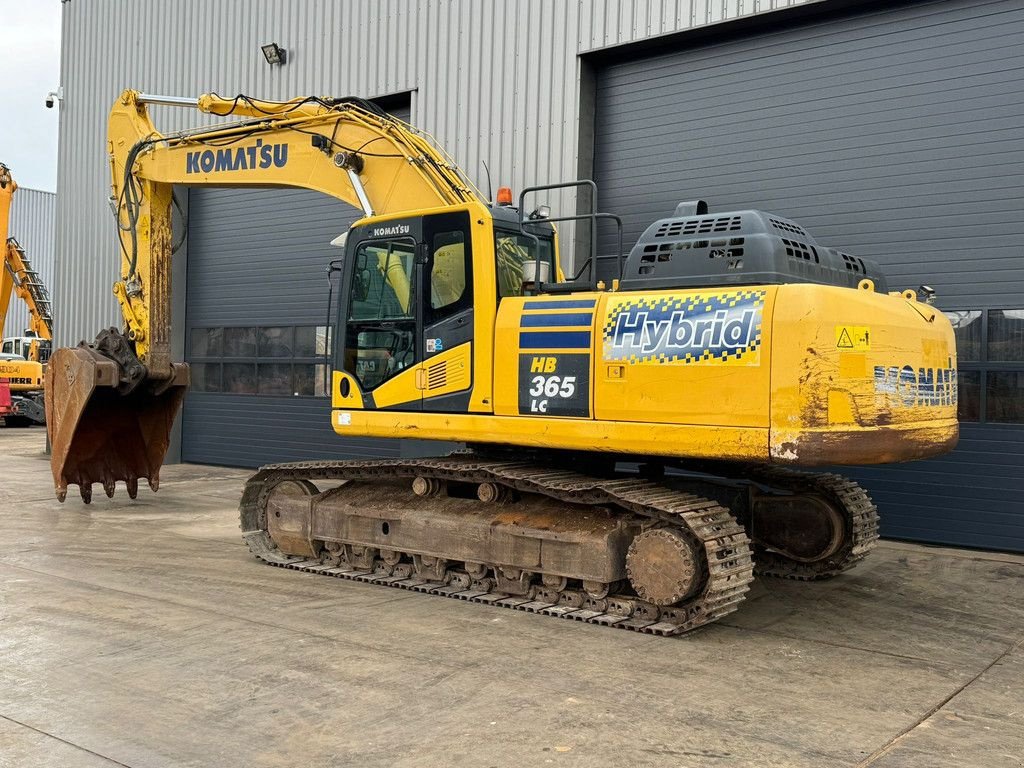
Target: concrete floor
[[142, 634]]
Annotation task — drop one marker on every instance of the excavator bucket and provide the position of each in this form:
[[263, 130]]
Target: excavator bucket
[[99, 435]]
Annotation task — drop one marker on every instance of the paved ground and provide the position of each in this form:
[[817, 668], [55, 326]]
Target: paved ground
[[142, 634]]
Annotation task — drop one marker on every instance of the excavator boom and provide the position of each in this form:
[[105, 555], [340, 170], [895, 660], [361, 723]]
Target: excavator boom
[[7, 189]]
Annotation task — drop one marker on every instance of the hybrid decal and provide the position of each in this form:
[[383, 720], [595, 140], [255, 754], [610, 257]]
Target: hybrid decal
[[698, 329], [910, 387], [554, 385], [259, 155]]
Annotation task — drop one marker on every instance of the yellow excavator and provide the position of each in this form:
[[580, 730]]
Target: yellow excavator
[[637, 449], [22, 358]]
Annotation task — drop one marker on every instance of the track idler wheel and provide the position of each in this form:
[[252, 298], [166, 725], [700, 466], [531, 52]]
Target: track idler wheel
[[664, 566], [803, 528]]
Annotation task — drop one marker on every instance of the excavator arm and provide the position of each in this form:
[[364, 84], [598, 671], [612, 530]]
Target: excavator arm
[[7, 189], [18, 277], [111, 404]]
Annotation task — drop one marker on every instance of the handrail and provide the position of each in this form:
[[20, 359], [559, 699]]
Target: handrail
[[591, 283]]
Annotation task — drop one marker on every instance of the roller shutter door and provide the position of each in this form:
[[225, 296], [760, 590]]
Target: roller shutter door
[[256, 313], [891, 133]]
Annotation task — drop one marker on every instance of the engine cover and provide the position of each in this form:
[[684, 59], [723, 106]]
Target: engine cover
[[738, 248]]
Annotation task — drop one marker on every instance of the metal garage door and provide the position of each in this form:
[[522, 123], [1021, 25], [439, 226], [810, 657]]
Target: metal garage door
[[256, 315], [894, 134]]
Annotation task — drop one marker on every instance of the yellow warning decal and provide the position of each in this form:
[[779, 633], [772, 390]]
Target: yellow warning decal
[[853, 337]]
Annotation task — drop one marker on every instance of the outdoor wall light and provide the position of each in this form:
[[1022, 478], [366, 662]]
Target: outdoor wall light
[[274, 53]]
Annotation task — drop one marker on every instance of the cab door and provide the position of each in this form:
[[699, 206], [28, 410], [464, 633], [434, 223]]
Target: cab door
[[446, 298], [381, 321]]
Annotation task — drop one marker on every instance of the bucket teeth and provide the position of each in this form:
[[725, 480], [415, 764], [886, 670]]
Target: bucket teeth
[[154, 481], [132, 483], [62, 493], [86, 490], [109, 486]]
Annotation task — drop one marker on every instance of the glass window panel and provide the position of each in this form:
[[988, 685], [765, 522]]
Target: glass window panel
[[275, 379], [967, 327], [968, 395], [382, 282], [322, 380], [448, 274], [239, 342], [207, 342], [240, 378], [305, 379], [377, 355], [205, 377], [276, 342], [512, 252], [1005, 397], [305, 341], [1005, 335], [323, 339]]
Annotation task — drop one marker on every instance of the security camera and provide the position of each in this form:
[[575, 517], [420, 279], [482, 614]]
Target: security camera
[[53, 97]]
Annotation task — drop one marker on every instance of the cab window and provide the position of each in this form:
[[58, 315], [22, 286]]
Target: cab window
[[448, 270], [512, 251], [448, 273], [382, 281], [381, 326]]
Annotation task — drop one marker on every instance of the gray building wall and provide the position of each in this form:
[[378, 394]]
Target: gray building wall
[[892, 132], [31, 225], [494, 82]]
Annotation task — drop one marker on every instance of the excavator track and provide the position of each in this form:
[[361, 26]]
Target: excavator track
[[725, 548], [860, 518]]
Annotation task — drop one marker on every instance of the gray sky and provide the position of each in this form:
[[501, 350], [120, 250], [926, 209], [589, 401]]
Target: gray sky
[[30, 68]]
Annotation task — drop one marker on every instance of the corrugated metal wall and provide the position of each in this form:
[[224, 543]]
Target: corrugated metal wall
[[32, 226], [493, 81]]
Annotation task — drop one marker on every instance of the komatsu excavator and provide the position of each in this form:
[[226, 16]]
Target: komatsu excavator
[[636, 451], [21, 357]]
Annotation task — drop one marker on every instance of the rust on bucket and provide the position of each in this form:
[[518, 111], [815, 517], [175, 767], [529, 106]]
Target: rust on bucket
[[99, 435]]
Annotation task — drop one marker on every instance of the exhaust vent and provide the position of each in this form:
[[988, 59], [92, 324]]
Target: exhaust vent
[[698, 226], [437, 375], [786, 226]]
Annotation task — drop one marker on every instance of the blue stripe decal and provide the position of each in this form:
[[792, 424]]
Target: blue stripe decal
[[555, 340], [567, 304], [549, 321]]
